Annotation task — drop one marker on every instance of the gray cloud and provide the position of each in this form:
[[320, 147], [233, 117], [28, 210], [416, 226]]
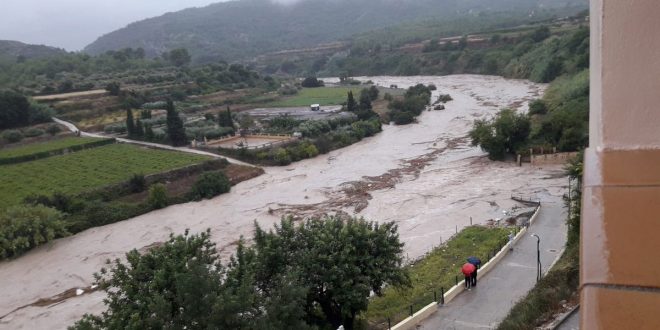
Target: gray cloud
[[72, 24]]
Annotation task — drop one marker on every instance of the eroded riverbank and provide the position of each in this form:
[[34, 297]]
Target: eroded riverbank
[[425, 176]]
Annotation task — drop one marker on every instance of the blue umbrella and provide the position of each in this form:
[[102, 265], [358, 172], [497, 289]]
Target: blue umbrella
[[475, 261]]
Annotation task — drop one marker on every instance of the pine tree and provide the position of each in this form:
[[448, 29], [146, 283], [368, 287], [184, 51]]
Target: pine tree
[[351, 105], [175, 130], [139, 129], [130, 124]]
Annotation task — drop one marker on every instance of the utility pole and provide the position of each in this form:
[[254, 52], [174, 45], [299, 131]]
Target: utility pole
[[538, 257]]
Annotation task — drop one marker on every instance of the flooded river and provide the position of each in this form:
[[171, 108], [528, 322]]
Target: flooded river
[[426, 177]]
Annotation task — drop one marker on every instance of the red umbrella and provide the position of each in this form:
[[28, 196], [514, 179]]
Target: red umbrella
[[468, 269]]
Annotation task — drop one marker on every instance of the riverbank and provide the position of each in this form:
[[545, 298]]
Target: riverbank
[[426, 177]]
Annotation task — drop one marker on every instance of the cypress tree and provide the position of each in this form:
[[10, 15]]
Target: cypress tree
[[225, 120], [148, 133], [175, 130], [139, 129], [365, 100], [130, 124], [351, 105]]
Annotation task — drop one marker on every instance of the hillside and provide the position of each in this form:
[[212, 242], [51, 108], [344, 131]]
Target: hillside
[[15, 49], [238, 29]]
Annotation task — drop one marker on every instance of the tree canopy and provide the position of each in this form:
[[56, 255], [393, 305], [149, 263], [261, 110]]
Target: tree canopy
[[318, 274]]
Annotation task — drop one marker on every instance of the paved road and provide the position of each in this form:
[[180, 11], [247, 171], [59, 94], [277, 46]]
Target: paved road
[[75, 129], [486, 305], [572, 322]]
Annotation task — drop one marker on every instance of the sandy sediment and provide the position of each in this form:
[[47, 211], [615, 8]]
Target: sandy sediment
[[426, 177]]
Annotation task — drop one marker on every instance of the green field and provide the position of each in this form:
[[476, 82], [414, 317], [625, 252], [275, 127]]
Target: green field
[[84, 170], [438, 269], [322, 95], [45, 146]]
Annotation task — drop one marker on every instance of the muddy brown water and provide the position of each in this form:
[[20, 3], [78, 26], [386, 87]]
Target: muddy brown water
[[425, 176]]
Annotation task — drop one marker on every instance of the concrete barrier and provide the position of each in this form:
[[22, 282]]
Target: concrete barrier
[[412, 321]]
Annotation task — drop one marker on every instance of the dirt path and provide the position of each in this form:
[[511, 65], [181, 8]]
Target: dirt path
[[426, 177]]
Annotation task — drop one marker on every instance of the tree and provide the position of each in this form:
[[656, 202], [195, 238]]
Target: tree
[[139, 128], [373, 93], [179, 57], [339, 260], [209, 185], [148, 133], [365, 100], [176, 132], [351, 105], [158, 196], [182, 285], [25, 227], [114, 88], [225, 119], [506, 133], [14, 110], [312, 82], [130, 123]]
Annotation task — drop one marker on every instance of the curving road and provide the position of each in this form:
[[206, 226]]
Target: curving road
[[75, 129]]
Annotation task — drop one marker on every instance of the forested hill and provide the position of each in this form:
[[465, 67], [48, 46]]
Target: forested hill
[[238, 29], [18, 50]]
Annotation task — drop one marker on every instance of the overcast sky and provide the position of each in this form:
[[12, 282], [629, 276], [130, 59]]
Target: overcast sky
[[73, 24]]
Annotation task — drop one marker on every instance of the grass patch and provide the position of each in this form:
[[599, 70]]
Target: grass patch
[[322, 95], [34, 148], [92, 168], [437, 270], [541, 303]]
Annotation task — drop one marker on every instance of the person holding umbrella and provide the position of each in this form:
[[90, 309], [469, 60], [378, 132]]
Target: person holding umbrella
[[477, 264], [467, 270]]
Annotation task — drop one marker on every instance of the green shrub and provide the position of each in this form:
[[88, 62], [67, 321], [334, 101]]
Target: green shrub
[[209, 185], [401, 117], [537, 107], [33, 132], [53, 129], [12, 136], [158, 196], [25, 227], [137, 183], [282, 157]]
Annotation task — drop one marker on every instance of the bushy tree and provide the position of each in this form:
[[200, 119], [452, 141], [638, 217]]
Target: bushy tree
[[209, 185], [312, 82], [158, 196], [14, 110], [179, 57], [139, 129], [340, 262], [506, 133], [176, 132], [113, 88], [25, 227]]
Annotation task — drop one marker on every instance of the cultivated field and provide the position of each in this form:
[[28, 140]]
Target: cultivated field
[[34, 148], [80, 171], [321, 95]]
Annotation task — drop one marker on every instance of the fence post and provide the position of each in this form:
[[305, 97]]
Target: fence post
[[456, 279], [389, 324], [411, 311], [435, 296], [442, 295]]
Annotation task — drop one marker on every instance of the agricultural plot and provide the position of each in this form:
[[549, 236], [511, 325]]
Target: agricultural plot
[[34, 148], [77, 172], [322, 95]]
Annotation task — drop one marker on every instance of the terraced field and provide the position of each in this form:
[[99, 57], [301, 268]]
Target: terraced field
[[80, 171], [29, 149], [322, 95]]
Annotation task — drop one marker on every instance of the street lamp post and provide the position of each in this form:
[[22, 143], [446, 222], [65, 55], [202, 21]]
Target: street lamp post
[[538, 257]]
